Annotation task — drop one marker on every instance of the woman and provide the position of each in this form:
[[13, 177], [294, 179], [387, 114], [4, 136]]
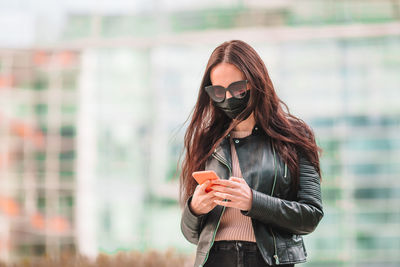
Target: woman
[[269, 190]]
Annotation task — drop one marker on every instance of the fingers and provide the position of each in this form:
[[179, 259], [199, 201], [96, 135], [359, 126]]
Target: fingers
[[237, 179], [233, 190], [224, 182], [225, 196], [224, 189], [225, 203], [232, 186], [203, 186], [205, 195], [232, 182]]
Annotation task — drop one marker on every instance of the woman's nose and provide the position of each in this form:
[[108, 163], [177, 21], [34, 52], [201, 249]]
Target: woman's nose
[[228, 95]]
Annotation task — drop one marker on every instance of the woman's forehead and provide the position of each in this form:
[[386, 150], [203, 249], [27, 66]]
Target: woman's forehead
[[225, 73]]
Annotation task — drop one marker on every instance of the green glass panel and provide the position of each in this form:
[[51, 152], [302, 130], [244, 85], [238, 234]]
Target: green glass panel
[[67, 131]]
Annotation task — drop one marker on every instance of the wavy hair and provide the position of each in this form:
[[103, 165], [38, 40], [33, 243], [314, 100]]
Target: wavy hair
[[208, 125]]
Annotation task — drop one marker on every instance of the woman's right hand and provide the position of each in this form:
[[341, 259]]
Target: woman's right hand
[[202, 202]]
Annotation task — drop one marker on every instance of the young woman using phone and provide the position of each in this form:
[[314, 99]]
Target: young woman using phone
[[268, 194]]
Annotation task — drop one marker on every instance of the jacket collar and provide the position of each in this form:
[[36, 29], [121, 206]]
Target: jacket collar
[[224, 150]]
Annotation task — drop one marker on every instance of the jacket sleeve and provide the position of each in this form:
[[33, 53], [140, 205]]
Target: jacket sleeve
[[299, 217], [190, 223]]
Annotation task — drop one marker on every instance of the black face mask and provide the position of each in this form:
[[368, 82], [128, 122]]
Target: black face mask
[[233, 106]]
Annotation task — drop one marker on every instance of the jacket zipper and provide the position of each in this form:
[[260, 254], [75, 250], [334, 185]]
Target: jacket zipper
[[223, 161], [276, 254], [285, 170], [272, 232], [272, 193]]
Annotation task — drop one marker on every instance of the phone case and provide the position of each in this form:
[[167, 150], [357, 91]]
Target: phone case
[[202, 176]]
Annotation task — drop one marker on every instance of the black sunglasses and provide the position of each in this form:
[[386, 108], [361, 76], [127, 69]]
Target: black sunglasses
[[237, 89]]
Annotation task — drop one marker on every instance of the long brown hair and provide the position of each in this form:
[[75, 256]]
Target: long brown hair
[[208, 126]]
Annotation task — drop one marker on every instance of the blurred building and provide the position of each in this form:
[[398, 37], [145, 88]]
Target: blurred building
[[133, 82], [37, 151]]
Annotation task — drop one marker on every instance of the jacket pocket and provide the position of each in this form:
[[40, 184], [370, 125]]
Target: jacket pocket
[[290, 248]]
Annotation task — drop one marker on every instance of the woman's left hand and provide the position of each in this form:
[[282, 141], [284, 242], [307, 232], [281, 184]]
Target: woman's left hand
[[236, 190]]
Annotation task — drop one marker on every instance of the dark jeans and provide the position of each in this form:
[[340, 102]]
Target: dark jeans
[[236, 254]]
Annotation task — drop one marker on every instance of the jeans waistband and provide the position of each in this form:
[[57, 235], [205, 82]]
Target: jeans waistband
[[235, 245]]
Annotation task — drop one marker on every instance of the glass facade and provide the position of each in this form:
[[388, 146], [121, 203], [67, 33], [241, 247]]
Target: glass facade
[[37, 151], [90, 137]]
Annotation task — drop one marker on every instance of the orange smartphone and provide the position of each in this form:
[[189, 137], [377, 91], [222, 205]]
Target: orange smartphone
[[203, 176]]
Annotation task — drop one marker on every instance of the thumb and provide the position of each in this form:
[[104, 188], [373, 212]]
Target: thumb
[[204, 185]]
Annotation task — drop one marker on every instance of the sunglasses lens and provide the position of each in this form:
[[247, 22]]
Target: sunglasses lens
[[238, 89], [217, 93]]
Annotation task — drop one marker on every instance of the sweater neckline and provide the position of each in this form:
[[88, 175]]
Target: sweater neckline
[[240, 134]]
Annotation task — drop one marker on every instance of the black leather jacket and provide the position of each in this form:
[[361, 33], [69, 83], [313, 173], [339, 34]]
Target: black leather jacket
[[278, 214]]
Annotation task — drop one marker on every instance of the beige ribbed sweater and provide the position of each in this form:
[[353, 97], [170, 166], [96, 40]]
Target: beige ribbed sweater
[[234, 225]]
